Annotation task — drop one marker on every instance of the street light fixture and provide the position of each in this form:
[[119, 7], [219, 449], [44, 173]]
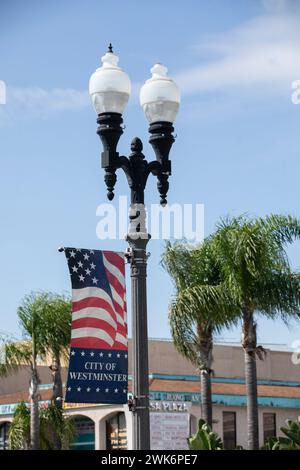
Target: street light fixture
[[110, 89], [109, 86]]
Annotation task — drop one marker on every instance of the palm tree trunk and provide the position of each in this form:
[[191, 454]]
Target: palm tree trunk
[[34, 410], [249, 344], [57, 393], [205, 346], [34, 397], [206, 401]]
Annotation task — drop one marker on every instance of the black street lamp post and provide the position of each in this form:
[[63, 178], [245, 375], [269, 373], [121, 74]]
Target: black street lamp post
[[110, 90]]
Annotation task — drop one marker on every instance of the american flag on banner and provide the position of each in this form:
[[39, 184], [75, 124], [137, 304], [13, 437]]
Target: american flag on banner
[[98, 369]]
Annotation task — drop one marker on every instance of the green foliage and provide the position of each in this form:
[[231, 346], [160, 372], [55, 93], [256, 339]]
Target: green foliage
[[45, 318], [205, 438], [54, 422], [19, 431], [255, 266], [201, 305], [242, 267], [51, 420], [239, 271], [48, 316], [290, 442], [13, 355]]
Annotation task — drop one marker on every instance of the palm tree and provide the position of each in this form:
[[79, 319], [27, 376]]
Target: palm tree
[[255, 270], [45, 322], [51, 421], [19, 431], [56, 326], [56, 427], [17, 354], [201, 308]]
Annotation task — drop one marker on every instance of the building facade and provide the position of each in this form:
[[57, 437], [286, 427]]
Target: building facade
[[175, 400]]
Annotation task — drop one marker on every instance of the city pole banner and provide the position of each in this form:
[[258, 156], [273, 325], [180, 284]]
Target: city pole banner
[[98, 368]]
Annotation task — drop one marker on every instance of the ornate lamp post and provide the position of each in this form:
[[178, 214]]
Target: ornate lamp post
[[159, 97]]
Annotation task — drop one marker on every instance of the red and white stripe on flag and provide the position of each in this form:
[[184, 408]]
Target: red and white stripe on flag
[[99, 316]]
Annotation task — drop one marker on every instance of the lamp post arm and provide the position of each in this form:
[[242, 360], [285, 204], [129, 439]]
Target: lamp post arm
[[124, 164], [154, 168], [162, 172], [135, 167]]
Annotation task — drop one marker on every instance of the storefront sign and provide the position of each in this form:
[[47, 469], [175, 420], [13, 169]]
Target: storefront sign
[[169, 430], [8, 409], [180, 396], [169, 406]]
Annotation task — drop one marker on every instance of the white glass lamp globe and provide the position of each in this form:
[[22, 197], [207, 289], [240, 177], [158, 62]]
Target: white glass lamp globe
[[160, 96], [109, 86]]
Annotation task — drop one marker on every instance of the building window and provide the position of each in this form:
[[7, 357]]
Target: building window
[[229, 429], [116, 435], [84, 438], [269, 421], [4, 430]]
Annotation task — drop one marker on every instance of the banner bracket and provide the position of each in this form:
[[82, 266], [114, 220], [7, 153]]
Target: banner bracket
[[132, 403], [129, 254]]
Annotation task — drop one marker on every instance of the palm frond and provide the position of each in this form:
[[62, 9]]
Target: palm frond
[[19, 431], [14, 356], [282, 228]]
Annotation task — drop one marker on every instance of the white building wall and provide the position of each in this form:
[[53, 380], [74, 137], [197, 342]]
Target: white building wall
[[99, 415]]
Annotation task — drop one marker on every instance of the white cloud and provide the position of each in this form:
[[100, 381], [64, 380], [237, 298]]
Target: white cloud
[[262, 54], [40, 100], [277, 5], [259, 58], [39, 103]]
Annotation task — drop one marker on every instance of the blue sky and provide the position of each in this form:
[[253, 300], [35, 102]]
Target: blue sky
[[238, 139]]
